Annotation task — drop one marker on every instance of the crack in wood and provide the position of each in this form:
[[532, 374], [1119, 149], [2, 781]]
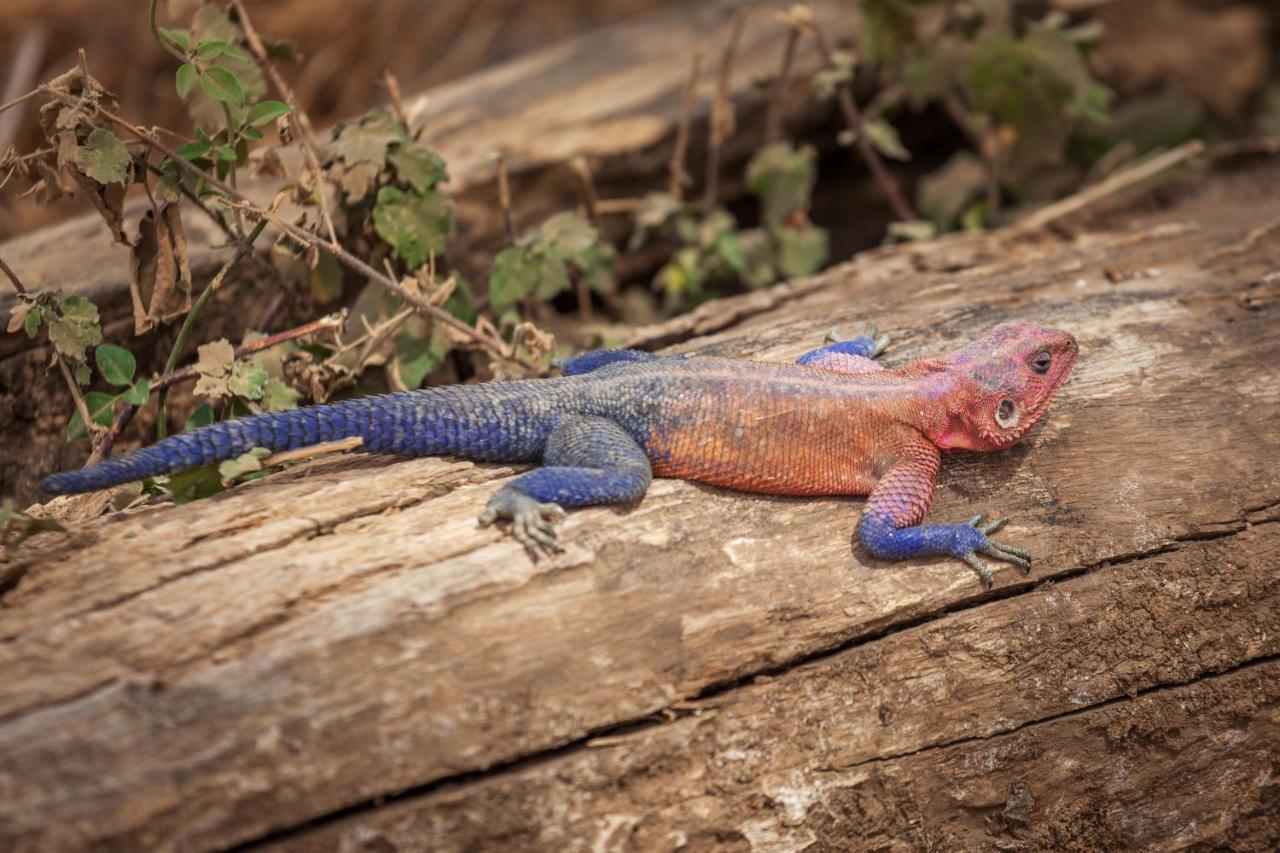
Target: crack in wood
[[697, 704]]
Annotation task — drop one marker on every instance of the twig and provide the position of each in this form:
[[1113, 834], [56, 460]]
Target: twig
[[306, 238], [777, 93], [1250, 240], [310, 145], [81, 405], [504, 197], [1112, 185], [849, 107], [721, 111], [191, 197], [397, 101], [587, 181], [333, 321], [8, 105], [679, 177], [13, 277], [581, 289], [340, 446], [161, 40]]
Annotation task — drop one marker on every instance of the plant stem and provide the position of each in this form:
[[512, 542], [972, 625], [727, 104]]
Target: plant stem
[[299, 235], [161, 383], [853, 117], [161, 40], [189, 322]]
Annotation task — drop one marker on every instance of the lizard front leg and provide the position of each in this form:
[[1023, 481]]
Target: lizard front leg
[[851, 356], [587, 460], [890, 527]]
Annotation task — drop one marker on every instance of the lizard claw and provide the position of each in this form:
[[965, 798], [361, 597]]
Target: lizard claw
[[980, 544], [533, 523]]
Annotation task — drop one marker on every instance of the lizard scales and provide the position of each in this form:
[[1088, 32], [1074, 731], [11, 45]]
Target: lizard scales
[[834, 423]]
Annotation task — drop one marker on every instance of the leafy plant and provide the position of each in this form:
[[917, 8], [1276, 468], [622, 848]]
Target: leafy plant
[[1021, 92]]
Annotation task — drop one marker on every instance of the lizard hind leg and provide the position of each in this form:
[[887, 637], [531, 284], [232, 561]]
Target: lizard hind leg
[[587, 460]]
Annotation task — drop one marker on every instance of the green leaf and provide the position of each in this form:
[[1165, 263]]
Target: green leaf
[[185, 79], [247, 380], [138, 394], [101, 409], [201, 417], [193, 485], [801, 251], [461, 303], [32, 324], [537, 269], [103, 157], [196, 150], [414, 225], [212, 48], [265, 112], [76, 329], [278, 396], [420, 168], [783, 177], [178, 38], [245, 463], [421, 347], [222, 85], [116, 363], [226, 154], [572, 236], [884, 137]]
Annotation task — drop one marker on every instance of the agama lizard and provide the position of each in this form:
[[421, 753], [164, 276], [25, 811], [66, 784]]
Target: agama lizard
[[834, 423]]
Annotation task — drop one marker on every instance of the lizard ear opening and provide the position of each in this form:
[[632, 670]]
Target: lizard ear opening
[[1007, 414]]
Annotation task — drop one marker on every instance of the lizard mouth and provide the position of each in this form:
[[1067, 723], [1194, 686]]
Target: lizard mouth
[[1066, 350]]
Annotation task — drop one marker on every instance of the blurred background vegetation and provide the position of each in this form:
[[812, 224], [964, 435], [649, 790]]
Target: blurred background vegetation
[[960, 114]]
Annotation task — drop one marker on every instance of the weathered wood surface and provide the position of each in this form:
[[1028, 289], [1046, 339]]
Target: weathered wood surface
[[339, 658]]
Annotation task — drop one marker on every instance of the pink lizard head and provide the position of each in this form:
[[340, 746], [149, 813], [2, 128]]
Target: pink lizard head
[[1005, 382]]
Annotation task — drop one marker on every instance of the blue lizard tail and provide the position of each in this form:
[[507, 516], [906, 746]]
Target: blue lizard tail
[[501, 421]]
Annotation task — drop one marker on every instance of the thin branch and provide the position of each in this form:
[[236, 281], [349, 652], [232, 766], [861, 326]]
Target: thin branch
[[81, 406], [191, 197], [188, 323], [902, 210], [13, 277], [8, 105], [310, 145], [679, 177], [722, 111], [773, 125], [160, 383], [1112, 185], [306, 238], [324, 449], [504, 197], [397, 101]]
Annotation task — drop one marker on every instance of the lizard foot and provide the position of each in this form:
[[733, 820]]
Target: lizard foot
[[874, 345], [977, 542], [533, 523]]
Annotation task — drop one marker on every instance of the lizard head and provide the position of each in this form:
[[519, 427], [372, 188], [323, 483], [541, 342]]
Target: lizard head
[[1005, 383]]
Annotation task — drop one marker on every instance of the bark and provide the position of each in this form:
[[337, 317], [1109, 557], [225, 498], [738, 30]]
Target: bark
[[338, 657]]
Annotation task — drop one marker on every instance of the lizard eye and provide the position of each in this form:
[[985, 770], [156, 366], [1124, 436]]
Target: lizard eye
[[1007, 414], [1041, 361]]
